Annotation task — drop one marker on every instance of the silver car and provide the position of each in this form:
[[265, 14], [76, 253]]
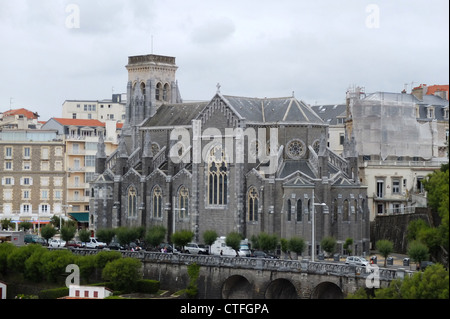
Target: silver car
[[56, 243], [356, 260]]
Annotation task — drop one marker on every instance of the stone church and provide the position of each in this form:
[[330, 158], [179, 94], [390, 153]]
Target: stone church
[[248, 165]]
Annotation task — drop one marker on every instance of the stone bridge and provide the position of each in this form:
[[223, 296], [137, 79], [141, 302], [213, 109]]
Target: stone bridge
[[254, 278]]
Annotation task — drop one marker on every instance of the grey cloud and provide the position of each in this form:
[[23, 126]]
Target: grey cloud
[[213, 31]]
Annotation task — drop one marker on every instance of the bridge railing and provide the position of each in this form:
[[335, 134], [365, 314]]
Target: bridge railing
[[304, 266]]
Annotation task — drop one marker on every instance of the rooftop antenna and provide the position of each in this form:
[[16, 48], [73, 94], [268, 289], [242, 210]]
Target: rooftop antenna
[[10, 103]]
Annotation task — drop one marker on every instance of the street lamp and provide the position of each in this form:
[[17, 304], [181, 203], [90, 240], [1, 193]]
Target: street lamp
[[65, 210], [173, 213], [313, 226]]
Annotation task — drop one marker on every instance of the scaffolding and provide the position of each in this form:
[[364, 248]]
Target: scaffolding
[[385, 124]]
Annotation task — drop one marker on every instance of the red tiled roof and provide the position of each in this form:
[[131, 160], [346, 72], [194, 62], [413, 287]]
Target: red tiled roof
[[78, 122], [436, 88], [28, 114]]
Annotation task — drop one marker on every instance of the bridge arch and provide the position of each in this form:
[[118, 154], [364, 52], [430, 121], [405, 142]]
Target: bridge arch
[[237, 287], [281, 289], [327, 290]]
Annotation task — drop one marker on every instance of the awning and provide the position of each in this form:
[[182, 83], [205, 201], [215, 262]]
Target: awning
[[80, 217]]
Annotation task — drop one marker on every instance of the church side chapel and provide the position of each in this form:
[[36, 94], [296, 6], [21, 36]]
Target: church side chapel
[[231, 164]]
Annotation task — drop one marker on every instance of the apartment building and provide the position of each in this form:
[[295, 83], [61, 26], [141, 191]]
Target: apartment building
[[32, 175], [103, 110], [81, 138], [19, 119], [400, 139]]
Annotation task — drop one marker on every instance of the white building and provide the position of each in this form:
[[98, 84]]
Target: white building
[[400, 139], [2, 290], [102, 110], [89, 292]]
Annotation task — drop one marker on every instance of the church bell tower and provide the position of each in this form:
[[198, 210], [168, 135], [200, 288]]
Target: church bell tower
[[151, 83]]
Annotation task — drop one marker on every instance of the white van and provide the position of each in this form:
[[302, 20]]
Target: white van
[[219, 247]]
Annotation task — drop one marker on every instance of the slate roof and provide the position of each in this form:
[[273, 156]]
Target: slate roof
[[176, 114], [273, 110], [330, 113]]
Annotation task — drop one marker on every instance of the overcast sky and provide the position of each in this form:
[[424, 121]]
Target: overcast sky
[[53, 50]]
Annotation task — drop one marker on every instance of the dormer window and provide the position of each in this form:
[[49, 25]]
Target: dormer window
[[430, 112]]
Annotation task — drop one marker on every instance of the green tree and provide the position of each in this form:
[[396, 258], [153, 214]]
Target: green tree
[[284, 243], [123, 273], [104, 257], [267, 242], [297, 245], [209, 237], [48, 231], [418, 251], [155, 235], [6, 224], [433, 283], [182, 238], [348, 245], [384, 247], [34, 266], [328, 244], [234, 241], [105, 235], [437, 187], [68, 232], [6, 249], [84, 235], [127, 235], [193, 273], [25, 226], [18, 257], [414, 228], [54, 263], [86, 265]]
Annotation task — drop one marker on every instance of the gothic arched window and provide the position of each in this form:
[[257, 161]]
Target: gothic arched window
[[346, 216], [183, 202], [299, 210], [158, 92], [132, 202], [157, 202], [217, 177], [289, 212], [252, 204]]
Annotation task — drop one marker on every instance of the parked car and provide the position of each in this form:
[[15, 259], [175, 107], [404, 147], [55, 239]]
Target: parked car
[[424, 264], [56, 243], [74, 244], [193, 248], [95, 244], [34, 239], [356, 260], [115, 246], [261, 254]]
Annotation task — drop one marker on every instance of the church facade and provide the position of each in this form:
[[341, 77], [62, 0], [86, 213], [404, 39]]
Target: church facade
[[247, 165]]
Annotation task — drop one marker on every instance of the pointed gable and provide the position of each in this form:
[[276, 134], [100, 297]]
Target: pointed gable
[[298, 180]]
